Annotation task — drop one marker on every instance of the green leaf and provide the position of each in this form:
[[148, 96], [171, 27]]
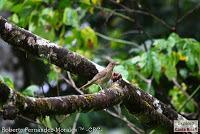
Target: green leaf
[[51, 16], [47, 122], [8, 4], [191, 60], [93, 88], [70, 17], [15, 18], [48, 12], [169, 63], [18, 8], [41, 31], [148, 64], [116, 34], [156, 66], [31, 27], [85, 119], [121, 69], [53, 75], [8, 81], [89, 37], [183, 73], [177, 98], [193, 53], [130, 66], [29, 91], [170, 72], [135, 59], [92, 2], [142, 61], [174, 38], [160, 44], [171, 41]]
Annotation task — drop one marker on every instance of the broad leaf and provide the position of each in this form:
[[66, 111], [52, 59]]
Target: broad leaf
[[29, 91], [89, 37], [70, 17]]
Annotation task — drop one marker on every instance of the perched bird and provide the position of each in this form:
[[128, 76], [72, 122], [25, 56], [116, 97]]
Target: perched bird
[[102, 77]]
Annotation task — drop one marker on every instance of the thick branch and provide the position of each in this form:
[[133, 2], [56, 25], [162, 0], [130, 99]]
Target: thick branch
[[61, 105], [84, 103]]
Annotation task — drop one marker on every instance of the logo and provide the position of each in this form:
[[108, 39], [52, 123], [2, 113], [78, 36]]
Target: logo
[[185, 125]]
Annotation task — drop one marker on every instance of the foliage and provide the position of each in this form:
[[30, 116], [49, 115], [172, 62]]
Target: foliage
[[164, 56], [163, 60], [30, 91], [8, 81]]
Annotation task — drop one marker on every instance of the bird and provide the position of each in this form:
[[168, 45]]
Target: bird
[[102, 77]]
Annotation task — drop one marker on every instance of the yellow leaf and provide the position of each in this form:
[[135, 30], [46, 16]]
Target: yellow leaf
[[92, 2], [89, 37], [182, 57]]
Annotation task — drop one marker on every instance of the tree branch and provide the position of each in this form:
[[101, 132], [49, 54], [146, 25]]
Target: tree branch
[[84, 103], [161, 21], [188, 13]]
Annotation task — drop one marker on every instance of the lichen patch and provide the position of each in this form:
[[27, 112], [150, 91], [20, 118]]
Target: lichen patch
[[138, 92], [8, 26]]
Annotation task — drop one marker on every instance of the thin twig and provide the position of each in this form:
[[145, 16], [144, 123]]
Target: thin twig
[[148, 81], [142, 77], [188, 13], [27, 119], [71, 80], [132, 32], [129, 124], [31, 121], [189, 98], [116, 40], [184, 92], [115, 13], [118, 109], [70, 83], [177, 14], [137, 23], [109, 10], [149, 84], [108, 17], [75, 123], [144, 31], [58, 122], [145, 13]]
